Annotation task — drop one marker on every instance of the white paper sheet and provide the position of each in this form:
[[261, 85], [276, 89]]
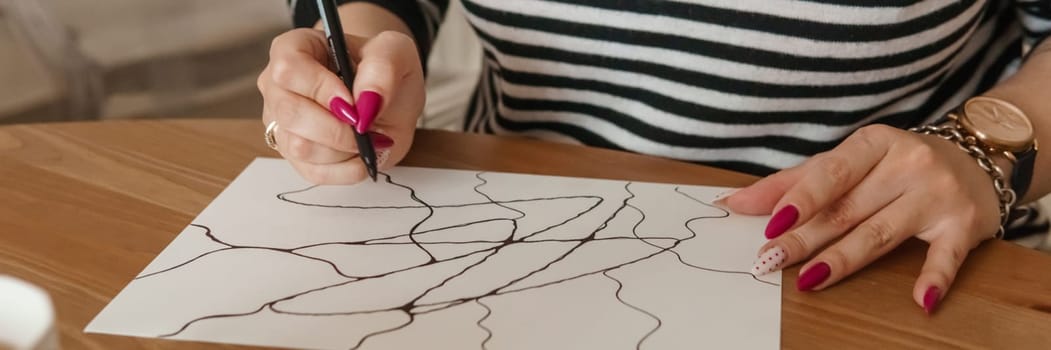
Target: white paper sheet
[[449, 259]]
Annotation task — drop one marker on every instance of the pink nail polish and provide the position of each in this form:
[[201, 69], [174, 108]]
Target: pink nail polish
[[931, 298], [769, 261], [343, 110], [813, 277], [369, 104], [381, 141], [782, 221]]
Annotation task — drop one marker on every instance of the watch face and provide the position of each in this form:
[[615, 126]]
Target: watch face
[[997, 123]]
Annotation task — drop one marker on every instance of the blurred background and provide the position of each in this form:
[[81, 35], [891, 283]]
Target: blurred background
[[63, 60]]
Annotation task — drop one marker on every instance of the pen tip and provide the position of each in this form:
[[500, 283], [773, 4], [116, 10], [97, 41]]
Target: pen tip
[[372, 173]]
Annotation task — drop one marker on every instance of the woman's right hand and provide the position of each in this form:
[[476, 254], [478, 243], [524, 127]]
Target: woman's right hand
[[298, 87]]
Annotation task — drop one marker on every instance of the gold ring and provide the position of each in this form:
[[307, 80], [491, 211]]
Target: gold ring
[[269, 135]]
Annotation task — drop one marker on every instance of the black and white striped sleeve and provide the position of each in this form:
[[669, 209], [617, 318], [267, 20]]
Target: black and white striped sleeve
[[421, 16], [1035, 16]]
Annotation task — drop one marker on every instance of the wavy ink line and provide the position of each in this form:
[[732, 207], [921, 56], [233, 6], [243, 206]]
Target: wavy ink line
[[187, 262], [514, 221], [488, 332], [430, 213], [414, 308], [687, 225], [283, 196], [207, 233], [260, 309], [210, 317], [620, 286], [660, 251], [405, 308], [598, 201]]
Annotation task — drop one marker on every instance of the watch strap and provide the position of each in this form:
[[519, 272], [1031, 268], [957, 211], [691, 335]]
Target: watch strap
[[1022, 175]]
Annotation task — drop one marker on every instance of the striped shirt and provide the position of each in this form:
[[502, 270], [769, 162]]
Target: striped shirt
[[748, 85]]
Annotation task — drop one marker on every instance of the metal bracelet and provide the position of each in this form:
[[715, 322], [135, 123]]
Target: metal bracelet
[[969, 144]]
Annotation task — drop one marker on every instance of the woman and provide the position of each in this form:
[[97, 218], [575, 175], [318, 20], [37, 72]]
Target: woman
[[815, 94]]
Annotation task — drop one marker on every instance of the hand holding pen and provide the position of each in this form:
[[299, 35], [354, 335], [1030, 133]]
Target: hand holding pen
[[315, 121]]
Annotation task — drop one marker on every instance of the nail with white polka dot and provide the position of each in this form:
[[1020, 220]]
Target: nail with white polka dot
[[769, 261]]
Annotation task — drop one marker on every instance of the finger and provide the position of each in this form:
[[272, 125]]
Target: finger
[[347, 172], [292, 146], [828, 177], [760, 197], [871, 239], [295, 147], [268, 115], [299, 62], [307, 119], [944, 258], [384, 63], [839, 217], [387, 60]]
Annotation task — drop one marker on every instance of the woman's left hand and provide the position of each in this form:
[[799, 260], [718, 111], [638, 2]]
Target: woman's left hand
[[845, 208]]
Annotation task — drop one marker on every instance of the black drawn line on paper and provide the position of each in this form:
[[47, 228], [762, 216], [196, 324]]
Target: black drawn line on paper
[[488, 332], [408, 308], [620, 286]]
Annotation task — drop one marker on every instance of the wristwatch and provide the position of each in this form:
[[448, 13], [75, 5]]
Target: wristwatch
[[1001, 128]]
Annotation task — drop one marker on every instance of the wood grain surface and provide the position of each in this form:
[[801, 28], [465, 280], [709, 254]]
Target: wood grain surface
[[86, 206]]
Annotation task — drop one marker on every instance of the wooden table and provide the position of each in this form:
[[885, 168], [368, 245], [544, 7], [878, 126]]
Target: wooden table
[[86, 206]]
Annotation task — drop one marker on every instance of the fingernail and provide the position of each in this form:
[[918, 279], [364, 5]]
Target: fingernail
[[382, 157], [720, 199], [769, 261], [931, 298], [381, 141], [782, 221], [369, 104], [813, 277], [343, 110]]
